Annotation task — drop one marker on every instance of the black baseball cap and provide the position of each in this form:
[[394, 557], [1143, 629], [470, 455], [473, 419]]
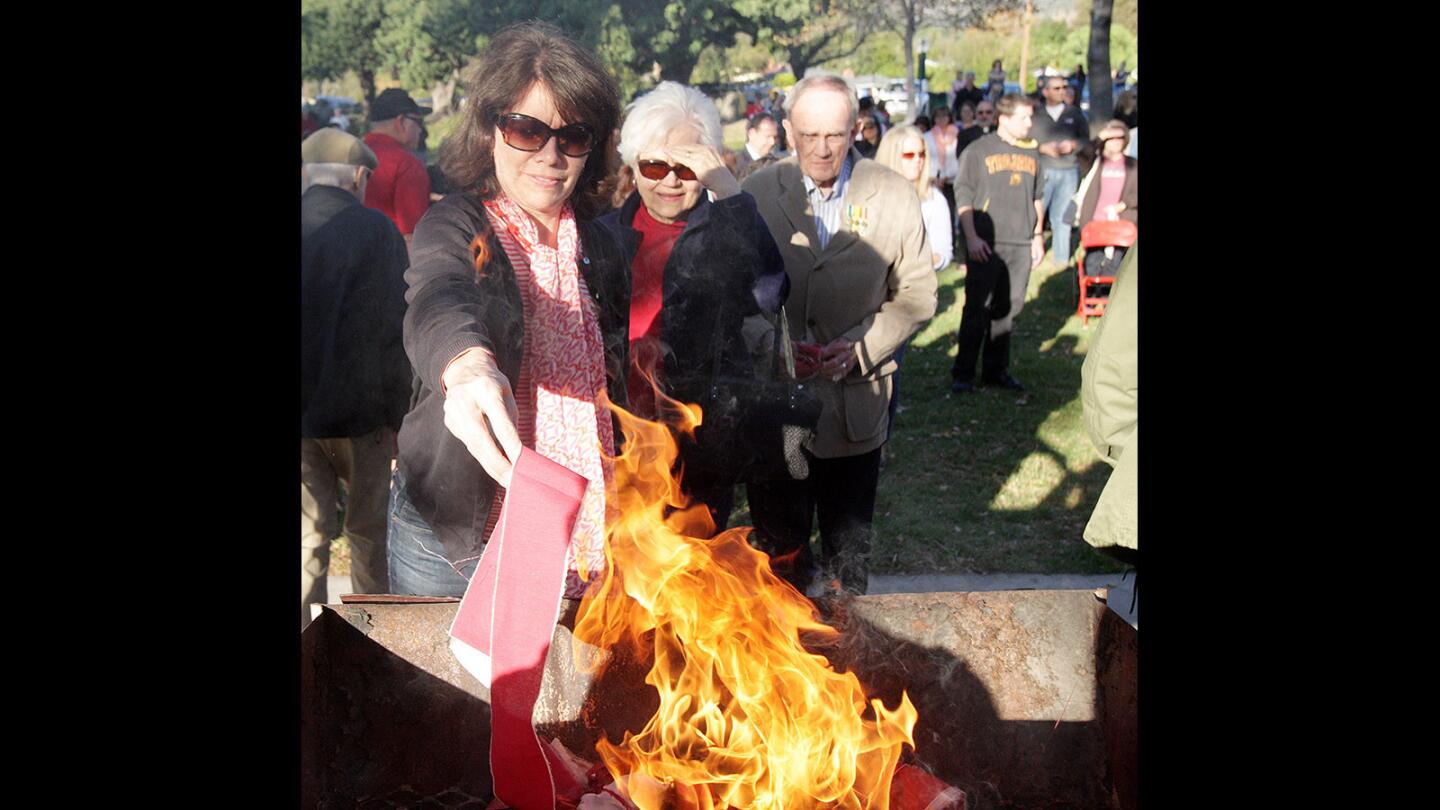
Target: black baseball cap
[[395, 102]]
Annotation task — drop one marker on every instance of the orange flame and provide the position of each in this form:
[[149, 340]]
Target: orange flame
[[748, 718]]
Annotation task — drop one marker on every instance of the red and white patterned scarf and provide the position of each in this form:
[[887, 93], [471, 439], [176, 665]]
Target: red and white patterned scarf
[[561, 393]]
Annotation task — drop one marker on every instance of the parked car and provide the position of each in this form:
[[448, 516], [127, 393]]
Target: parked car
[[893, 94], [342, 103]]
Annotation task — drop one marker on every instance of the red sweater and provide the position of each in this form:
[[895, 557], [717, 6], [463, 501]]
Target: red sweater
[[400, 188], [646, 298]]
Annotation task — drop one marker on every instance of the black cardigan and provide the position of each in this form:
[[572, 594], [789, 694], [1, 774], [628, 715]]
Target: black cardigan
[[724, 268], [354, 376], [450, 311]]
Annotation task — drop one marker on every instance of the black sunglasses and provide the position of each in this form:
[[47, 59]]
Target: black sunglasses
[[657, 169], [531, 134]]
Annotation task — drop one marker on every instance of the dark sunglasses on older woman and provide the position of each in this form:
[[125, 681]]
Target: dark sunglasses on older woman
[[657, 169], [531, 134]]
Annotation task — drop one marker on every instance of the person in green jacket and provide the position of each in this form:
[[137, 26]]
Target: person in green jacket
[[1109, 395]]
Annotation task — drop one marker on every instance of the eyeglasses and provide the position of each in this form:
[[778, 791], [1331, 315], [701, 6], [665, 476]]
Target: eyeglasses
[[912, 155], [417, 119], [985, 112], [834, 139], [531, 134], [658, 169]]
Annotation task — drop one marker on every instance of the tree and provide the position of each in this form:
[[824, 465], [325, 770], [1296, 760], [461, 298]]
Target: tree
[[811, 32], [427, 44], [906, 17], [339, 35], [670, 34], [1102, 105]]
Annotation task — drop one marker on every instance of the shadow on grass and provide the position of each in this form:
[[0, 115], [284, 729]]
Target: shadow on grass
[[994, 480]]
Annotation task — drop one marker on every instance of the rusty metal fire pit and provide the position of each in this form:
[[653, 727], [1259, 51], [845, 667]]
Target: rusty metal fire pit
[[1027, 699]]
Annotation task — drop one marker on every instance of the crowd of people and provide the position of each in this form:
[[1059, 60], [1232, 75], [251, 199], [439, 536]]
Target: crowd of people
[[567, 252]]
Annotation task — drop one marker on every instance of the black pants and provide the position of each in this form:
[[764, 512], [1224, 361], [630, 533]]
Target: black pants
[[957, 236], [842, 492], [718, 498], [895, 388], [994, 295], [1097, 265]]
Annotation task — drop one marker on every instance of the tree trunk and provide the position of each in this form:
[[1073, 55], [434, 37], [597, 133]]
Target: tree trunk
[[442, 93], [677, 64], [799, 62], [910, 62], [367, 86], [1102, 87], [1025, 45]]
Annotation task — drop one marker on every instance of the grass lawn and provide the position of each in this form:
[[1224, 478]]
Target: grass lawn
[[990, 482], [995, 480]]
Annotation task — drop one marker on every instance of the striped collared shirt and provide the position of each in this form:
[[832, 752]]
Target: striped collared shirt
[[827, 211]]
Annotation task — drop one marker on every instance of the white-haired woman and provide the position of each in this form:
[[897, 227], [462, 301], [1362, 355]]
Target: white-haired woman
[[703, 264]]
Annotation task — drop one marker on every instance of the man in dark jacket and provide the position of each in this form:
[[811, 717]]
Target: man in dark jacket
[[354, 376], [1062, 131], [761, 135]]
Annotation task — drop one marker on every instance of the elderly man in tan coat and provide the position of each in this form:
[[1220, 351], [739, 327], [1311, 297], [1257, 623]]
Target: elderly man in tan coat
[[855, 248]]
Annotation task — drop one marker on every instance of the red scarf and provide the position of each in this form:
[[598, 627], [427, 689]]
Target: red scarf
[[561, 392]]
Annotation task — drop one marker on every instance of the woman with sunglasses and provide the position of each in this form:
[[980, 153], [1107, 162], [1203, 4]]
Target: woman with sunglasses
[[910, 153], [907, 151], [517, 309], [703, 265]]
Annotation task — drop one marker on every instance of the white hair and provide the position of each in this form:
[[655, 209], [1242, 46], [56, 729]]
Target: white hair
[[831, 81], [670, 106], [339, 175]]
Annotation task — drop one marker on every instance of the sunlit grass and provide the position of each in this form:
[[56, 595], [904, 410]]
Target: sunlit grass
[[993, 481]]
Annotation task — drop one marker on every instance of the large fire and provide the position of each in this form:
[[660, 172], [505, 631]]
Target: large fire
[[747, 718]]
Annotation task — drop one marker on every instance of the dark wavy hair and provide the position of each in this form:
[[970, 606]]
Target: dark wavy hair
[[518, 57]]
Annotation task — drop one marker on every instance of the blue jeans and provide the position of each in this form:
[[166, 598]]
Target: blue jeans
[[417, 562], [1060, 186]]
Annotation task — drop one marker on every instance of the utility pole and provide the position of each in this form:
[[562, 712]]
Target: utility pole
[[1025, 44], [922, 94]]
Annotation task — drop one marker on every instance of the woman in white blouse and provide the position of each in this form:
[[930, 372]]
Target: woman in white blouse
[[905, 150]]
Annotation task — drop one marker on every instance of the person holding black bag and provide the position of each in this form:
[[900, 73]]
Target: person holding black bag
[[706, 281]]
